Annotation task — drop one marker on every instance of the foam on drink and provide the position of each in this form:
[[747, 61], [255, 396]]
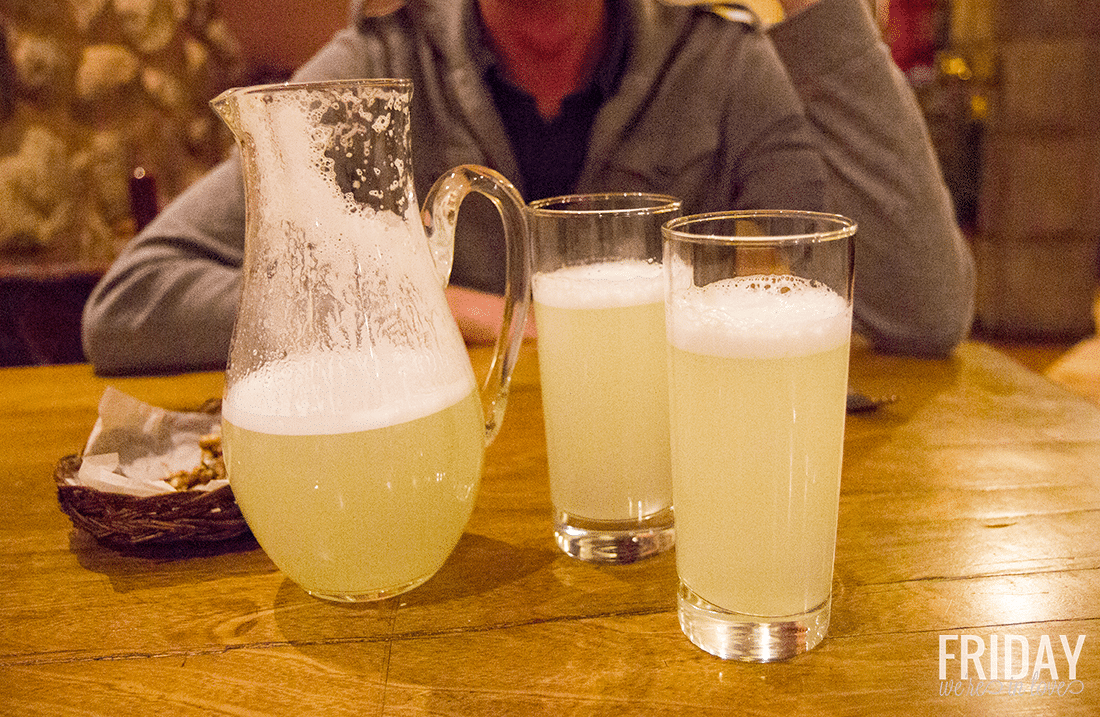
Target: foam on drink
[[347, 395], [294, 128], [389, 356], [627, 282], [759, 316]]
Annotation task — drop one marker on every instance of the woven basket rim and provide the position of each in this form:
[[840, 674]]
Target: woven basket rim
[[119, 520]]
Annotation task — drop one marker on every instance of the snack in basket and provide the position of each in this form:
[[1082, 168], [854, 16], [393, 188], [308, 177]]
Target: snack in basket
[[211, 467], [150, 476]]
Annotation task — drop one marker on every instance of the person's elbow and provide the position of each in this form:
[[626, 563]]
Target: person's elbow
[[930, 330], [108, 334], [140, 327], [931, 341], [98, 332]]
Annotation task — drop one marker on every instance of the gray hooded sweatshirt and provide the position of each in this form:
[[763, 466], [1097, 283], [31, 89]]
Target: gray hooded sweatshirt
[[811, 114]]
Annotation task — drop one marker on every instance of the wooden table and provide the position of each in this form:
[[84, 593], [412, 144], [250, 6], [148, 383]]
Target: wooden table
[[971, 507]]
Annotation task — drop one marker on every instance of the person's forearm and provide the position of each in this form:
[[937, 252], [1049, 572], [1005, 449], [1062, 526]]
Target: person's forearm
[[159, 317], [169, 301], [479, 315], [914, 271]]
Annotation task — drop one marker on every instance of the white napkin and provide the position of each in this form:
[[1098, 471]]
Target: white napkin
[[133, 446]]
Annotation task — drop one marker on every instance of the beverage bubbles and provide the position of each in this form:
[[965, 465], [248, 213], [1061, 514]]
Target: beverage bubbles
[[759, 316], [353, 504], [604, 381], [602, 285], [758, 375]]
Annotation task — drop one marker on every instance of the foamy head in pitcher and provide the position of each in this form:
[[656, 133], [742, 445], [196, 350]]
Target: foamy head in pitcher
[[347, 395]]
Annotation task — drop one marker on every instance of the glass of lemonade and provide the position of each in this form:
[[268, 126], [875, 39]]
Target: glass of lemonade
[[599, 309], [759, 312]]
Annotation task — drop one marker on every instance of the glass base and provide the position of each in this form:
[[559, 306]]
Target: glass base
[[368, 595], [750, 638], [615, 542]]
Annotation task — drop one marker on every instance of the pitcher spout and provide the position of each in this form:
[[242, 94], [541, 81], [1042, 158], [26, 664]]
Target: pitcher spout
[[225, 106]]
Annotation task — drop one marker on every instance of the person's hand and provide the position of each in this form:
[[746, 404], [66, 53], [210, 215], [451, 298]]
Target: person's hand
[[479, 315]]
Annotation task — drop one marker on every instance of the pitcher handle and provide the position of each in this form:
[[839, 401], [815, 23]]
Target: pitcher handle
[[440, 217]]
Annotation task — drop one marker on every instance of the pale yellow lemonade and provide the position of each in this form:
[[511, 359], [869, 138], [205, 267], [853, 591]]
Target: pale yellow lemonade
[[362, 505], [604, 375], [759, 378]]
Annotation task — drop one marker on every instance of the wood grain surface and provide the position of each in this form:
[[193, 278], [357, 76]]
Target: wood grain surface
[[970, 506]]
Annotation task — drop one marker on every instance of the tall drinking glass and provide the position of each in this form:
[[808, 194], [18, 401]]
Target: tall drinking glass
[[759, 316], [599, 308]]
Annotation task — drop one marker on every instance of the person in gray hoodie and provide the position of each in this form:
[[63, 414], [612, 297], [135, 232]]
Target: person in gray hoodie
[[672, 96]]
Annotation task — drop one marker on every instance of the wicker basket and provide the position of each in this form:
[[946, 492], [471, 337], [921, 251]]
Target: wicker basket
[[126, 521]]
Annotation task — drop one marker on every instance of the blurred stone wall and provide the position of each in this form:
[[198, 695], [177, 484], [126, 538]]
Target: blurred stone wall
[[92, 93], [1038, 236]]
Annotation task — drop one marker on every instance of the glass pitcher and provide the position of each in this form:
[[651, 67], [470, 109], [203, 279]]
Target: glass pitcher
[[353, 428]]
